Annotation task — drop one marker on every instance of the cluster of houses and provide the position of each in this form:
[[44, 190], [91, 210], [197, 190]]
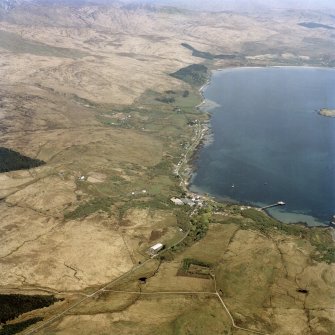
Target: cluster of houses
[[193, 200], [193, 122], [196, 200]]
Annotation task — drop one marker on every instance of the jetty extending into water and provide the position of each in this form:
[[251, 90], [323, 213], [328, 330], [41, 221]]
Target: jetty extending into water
[[279, 203], [332, 222]]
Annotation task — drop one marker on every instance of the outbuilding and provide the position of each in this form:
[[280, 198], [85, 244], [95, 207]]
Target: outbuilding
[[177, 201], [188, 202], [156, 248]]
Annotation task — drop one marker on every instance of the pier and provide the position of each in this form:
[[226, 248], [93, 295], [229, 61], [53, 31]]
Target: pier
[[279, 203]]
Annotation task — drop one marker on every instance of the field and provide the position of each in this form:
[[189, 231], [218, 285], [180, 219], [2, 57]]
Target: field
[[270, 283], [108, 103]]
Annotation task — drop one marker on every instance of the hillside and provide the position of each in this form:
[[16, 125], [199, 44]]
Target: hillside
[[88, 90]]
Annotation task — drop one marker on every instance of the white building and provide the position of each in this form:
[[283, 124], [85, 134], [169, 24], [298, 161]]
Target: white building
[[187, 201], [156, 248], [177, 201]]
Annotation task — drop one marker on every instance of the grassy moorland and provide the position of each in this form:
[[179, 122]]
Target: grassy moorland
[[15, 43], [108, 102]]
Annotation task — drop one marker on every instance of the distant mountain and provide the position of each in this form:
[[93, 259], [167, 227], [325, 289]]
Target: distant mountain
[[215, 5], [242, 5], [75, 3], [117, 16], [9, 4], [209, 5]]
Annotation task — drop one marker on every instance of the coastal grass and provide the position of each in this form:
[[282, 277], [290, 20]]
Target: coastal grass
[[170, 124], [253, 219], [154, 117], [320, 238]]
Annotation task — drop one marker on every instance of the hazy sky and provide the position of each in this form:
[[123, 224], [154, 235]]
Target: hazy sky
[[246, 4], [220, 5]]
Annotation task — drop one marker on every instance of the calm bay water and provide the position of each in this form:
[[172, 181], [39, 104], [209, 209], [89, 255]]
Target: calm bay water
[[269, 142]]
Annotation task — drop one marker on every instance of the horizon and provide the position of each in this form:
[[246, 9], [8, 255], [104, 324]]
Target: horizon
[[211, 5]]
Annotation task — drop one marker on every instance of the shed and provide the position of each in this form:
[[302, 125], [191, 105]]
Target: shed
[[156, 248], [177, 201], [187, 201]]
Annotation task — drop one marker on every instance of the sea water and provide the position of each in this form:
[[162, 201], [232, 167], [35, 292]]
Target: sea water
[[270, 144]]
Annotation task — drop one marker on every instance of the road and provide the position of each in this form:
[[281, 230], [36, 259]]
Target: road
[[215, 293], [163, 292], [105, 288], [199, 132], [100, 290], [230, 316], [233, 321], [198, 136], [82, 300]]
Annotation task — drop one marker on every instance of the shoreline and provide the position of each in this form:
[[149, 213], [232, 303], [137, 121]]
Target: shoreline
[[190, 166], [276, 66]]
